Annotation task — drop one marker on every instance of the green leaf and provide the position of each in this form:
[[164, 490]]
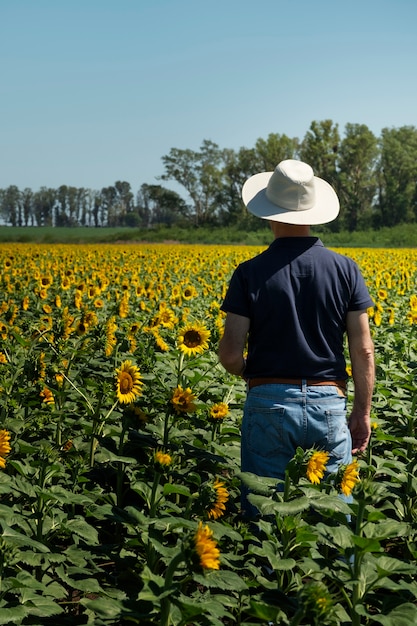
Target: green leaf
[[13, 615], [40, 605], [180, 489], [221, 580], [20, 540], [78, 526], [334, 536], [330, 503], [106, 608], [263, 611], [385, 529], [403, 615], [259, 484], [387, 565], [366, 545], [209, 606]]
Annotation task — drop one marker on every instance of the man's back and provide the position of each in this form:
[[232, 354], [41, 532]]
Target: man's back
[[296, 294]]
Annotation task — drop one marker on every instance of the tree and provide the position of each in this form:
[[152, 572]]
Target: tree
[[273, 150], [201, 174], [238, 167], [320, 148], [43, 206], [158, 205], [124, 202], [27, 206], [11, 208], [398, 175], [357, 184]]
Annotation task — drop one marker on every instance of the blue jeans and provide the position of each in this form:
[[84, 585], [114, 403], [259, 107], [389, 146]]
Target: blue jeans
[[278, 418]]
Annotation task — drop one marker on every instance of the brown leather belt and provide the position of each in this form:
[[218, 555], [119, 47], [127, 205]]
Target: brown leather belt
[[255, 382]]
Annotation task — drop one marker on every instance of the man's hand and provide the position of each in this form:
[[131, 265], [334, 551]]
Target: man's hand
[[360, 429]]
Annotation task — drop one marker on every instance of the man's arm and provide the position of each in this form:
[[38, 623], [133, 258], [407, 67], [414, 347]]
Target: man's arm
[[232, 344], [361, 349]]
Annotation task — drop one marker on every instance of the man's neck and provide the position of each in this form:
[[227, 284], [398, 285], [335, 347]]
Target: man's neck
[[289, 230]]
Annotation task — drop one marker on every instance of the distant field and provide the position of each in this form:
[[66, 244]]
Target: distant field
[[402, 236]]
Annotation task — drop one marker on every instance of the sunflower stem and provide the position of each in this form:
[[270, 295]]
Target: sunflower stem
[[166, 602], [357, 560], [287, 485], [152, 500], [179, 370], [166, 427], [120, 470]]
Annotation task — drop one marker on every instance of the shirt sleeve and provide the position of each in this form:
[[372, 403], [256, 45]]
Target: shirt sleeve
[[237, 297], [360, 295]]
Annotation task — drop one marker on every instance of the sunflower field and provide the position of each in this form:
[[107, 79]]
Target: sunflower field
[[120, 453]]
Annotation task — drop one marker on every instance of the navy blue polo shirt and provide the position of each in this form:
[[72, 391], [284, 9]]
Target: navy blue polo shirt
[[297, 294]]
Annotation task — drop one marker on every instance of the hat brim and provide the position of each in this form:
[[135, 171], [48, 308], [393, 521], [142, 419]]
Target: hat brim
[[325, 209]]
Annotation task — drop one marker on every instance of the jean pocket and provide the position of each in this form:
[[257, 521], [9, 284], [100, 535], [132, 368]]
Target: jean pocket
[[263, 431], [339, 442]]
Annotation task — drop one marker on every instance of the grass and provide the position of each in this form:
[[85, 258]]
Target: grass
[[403, 235]]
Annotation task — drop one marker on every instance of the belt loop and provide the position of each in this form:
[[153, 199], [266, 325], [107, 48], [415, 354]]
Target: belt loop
[[304, 385]]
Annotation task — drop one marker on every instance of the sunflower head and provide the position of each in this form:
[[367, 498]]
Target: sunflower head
[[348, 477], [219, 411], [128, 382], [316, 466], [5, 446], [317, 600], [193, 339], [220, 496], [47, 396], [183, 400], [206, 548], [162, 459]]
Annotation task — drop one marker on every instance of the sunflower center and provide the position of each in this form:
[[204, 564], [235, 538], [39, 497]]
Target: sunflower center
[[192, 339], [125, 382]]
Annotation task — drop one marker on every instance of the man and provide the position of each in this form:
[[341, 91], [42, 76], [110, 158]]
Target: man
[[291, 307]]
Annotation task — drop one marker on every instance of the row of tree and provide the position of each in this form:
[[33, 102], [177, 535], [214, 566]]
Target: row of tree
[[375, 178]]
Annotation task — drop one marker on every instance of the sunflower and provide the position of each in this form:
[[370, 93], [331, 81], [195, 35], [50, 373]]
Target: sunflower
[[219, 506], [81, 328], [160, 341], [189, 292], [412, 317], [162, 458], [4, 447], [219, 411], [128, 382], [317, 599], [193, 339], [111, 340], [316, 466], [349, 478], [377, 318], [183, 400], [206, 548], [47, 396], [166, 317]]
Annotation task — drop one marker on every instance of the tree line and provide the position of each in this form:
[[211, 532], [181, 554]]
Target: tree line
[[375, 178]]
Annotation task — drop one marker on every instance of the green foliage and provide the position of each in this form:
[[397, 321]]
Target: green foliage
[[95, 530], [402, 236]]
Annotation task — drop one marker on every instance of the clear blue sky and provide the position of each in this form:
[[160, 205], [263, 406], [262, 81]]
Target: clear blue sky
[[94, 91]]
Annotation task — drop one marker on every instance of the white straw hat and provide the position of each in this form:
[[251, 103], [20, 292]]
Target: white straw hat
[[291, 194]]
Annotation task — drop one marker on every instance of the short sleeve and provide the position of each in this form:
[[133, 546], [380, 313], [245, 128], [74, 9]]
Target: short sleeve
[[237, 296], [360, 298]]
